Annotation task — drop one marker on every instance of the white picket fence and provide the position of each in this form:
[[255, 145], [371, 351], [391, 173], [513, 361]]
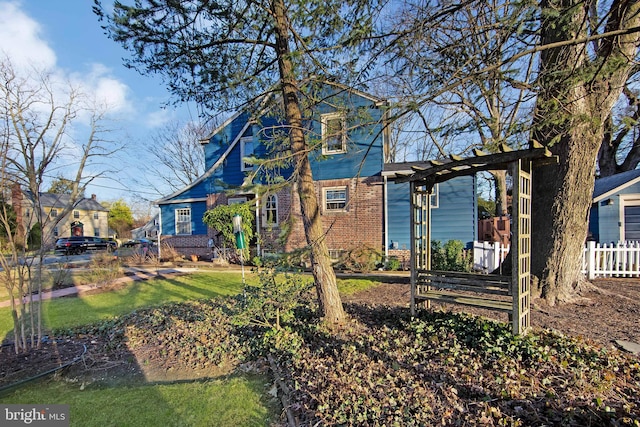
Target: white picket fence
[[598, 260], [487, 256], [620, 259]]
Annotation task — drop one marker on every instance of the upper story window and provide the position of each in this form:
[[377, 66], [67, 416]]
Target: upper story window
[[183, 221], [96, 215], [53, 213], [270, 210], [76, 214], [334, 134], [56, 232], [246, 150], [335, 199]]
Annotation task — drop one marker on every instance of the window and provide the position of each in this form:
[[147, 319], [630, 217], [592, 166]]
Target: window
[[96, 216], [246, 150], [183, 221], [96, 233], [235, 200], [56, 233], [76, 214], [335, 199], [334, 136], [270, 210], [435, 198], [53, 213]]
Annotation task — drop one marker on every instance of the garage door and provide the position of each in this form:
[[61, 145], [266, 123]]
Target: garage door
[[632, 223]]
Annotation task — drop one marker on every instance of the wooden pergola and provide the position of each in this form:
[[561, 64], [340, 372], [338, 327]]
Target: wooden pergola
[[511, 294]]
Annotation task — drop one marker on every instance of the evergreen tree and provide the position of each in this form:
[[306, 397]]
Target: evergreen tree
[[224, 54]]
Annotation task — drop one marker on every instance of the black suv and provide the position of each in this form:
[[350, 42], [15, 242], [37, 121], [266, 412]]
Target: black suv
[[79, 244]]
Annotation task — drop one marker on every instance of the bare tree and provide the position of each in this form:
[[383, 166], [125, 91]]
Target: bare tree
[[481, 110], [585, 52], [35, 143], [620, 149], [590, 57], [177, 149]]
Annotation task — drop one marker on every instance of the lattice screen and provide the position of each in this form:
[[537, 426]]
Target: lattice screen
[[522, 232]]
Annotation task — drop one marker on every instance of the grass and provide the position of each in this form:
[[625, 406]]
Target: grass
[[231, 401], [352, 286], [238, 400], [75, 311]]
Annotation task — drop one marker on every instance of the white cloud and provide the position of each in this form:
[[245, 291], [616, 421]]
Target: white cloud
[[103, 89], [159, 118], [20, 39]]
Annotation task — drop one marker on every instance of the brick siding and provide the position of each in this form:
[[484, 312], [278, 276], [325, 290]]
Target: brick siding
[[360, 224]]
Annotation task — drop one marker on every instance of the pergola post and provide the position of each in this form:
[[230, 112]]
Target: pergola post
[[420, 235], [521, 245]]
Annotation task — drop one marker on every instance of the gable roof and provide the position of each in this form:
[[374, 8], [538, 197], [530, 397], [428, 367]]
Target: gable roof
[[607, 186], [60, 201], [263, 107]]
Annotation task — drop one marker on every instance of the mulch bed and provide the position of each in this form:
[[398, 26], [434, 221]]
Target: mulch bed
[[608, 312]]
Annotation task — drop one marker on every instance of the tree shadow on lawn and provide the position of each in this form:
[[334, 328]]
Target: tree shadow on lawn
[[99, 357]]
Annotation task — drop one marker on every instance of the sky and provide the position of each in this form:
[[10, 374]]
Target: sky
[[64, 37]]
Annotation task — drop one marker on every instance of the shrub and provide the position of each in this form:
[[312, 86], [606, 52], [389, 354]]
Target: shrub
[[272, 302], [221, 218], [361, 258], [450, 257], [168, 252], [393, 264], [104, 269]]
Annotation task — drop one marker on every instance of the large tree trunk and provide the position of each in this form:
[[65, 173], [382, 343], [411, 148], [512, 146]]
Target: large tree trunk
[[325, 278], [500, 181], [561, 200], [576, 96]]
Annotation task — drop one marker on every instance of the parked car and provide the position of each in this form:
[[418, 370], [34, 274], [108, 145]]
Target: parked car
[[137, 242], [79, 244]]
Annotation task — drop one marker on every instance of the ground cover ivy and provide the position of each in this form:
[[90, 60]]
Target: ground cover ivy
[[385, 367], [451, 369]]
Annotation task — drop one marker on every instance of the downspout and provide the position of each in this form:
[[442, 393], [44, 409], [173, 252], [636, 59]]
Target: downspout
[[386, 220], [160, 234]]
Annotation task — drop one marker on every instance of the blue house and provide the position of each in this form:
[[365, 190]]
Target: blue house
[[360, 204], [615, 210]]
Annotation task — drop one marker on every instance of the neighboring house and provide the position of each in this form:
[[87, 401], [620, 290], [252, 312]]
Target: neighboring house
[[615, 210], [86, 218], [359, 203], [148, 231]]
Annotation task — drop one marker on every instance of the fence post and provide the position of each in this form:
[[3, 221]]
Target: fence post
[[591, 260], [496, 256]]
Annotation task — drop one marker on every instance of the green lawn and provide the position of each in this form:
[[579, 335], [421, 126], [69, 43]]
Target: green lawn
[[74, 311], [239, 400], [235, 401]]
